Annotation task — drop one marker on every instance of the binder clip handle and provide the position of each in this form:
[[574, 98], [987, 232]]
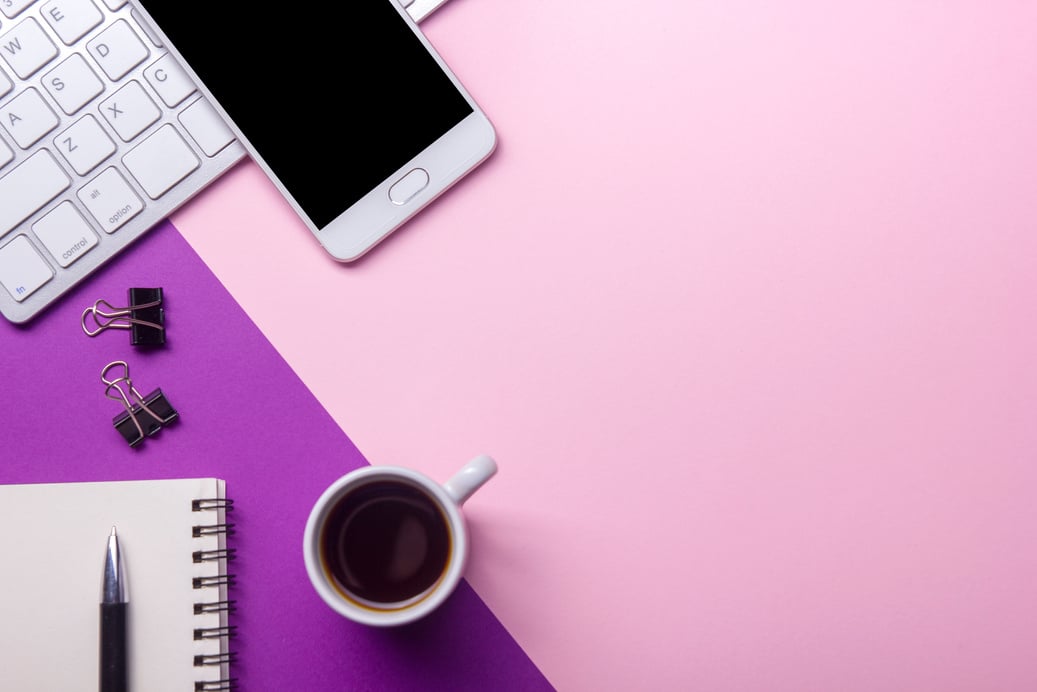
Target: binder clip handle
[[144, 415], [144, 317]]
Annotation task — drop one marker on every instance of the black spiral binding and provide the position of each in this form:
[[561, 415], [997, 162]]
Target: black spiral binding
[[221, 581]]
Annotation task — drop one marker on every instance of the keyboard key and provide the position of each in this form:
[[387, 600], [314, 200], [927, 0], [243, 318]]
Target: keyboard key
[[6, 154], [71, 20], [118, 50], [129, 111], [206, 127], [169, 80], [84, 145], [161, 161], [27, 48], [5, 83], [110, 199], [65, 233], [22, 270], [114, 4], [29, 186], [27, 118], [11, 8], [73, 84]]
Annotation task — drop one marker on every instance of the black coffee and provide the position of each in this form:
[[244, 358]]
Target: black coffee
[[385, 542]]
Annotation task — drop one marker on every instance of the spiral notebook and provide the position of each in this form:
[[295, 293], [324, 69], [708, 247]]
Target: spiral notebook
[[173, 536]]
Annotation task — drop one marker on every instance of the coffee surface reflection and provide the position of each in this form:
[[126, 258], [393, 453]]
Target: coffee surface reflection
[[385, 543]]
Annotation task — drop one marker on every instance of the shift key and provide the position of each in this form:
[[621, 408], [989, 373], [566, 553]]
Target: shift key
[[110, 200], [35, 181]]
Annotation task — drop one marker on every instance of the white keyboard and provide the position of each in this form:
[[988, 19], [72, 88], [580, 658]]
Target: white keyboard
[[102, 136]]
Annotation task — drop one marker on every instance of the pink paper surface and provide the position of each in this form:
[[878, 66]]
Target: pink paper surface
[[743, 305]]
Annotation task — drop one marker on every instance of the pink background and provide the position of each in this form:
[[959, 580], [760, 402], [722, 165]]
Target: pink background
[[744, 307]]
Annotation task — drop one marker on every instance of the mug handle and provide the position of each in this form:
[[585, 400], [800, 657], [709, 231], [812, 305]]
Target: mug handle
[[470, 478]]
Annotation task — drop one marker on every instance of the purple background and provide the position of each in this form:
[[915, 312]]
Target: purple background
[[244, 417]]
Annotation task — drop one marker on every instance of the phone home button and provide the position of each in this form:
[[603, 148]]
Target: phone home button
[[408, 186]]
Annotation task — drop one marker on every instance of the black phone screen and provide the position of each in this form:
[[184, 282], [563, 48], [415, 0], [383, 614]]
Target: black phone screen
[[335, 97]]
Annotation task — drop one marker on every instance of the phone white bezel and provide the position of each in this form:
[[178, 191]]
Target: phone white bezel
[[374, 217]]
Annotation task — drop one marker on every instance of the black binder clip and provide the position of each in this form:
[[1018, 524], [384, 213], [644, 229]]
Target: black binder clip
[[144, 317], [144, 415]]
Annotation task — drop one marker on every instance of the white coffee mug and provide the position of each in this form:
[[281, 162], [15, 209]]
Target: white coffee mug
[[386, 545]]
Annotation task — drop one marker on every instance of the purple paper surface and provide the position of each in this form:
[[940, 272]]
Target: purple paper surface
[[247, 418]]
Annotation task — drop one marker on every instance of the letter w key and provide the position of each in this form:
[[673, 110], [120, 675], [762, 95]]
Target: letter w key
[[26, 48]]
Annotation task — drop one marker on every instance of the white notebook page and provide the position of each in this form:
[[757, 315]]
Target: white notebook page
[[53, 540]]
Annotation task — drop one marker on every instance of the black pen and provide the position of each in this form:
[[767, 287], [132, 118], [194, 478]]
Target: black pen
[[113, 620]]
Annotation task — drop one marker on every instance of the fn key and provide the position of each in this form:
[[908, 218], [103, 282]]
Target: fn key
[[22, 270]]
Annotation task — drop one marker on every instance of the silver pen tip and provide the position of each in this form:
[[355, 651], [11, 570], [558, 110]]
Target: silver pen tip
[[113, 585]]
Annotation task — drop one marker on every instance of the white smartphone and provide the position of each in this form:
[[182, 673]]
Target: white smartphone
[[345, 105]]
